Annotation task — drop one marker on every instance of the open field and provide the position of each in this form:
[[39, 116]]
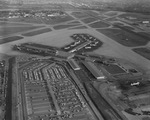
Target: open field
[[94, 13], [8, 24], [114, 69], [80, 27], [128, 27], [10, 39], [80, 14], [61, 38], [89, 20], [74, 22], [145, 34], [123, 37], [4, 31], [145, 52], [56, 20], [37, 32], [118, 23], [99, 24], [58, 27], [111, 13], [111, 19], [135, 17], [101, 17], [104, 108], [25, 20]]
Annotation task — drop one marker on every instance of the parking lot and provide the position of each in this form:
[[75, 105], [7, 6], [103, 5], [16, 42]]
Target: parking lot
[[50, 93]]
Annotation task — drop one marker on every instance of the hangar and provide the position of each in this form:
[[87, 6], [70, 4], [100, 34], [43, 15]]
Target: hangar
[[94, 70]]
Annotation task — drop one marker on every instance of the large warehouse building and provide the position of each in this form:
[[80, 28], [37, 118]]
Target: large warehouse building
[[74, 64], [94, 70]]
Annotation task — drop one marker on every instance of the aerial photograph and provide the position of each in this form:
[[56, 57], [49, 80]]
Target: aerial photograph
[[74, 59]]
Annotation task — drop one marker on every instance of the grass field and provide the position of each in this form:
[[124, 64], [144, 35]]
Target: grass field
[[41, 20], [118, 23], [145, 34], [126, 38], [111, 19], [56, 20], [74, 22], [99, 24], [114, 69], [80, 27], [111, 13], [80, 14], [58, 27], [8, 24], [37, 32], [89, 20], [102, 17], [138, 16], [128, 27], [145, 52], [25, 20], [92, 12], [10, 39], [4, 31]]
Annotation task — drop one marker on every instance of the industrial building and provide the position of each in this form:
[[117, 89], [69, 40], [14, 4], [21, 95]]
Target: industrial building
[[74, 64], [94, 70]]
